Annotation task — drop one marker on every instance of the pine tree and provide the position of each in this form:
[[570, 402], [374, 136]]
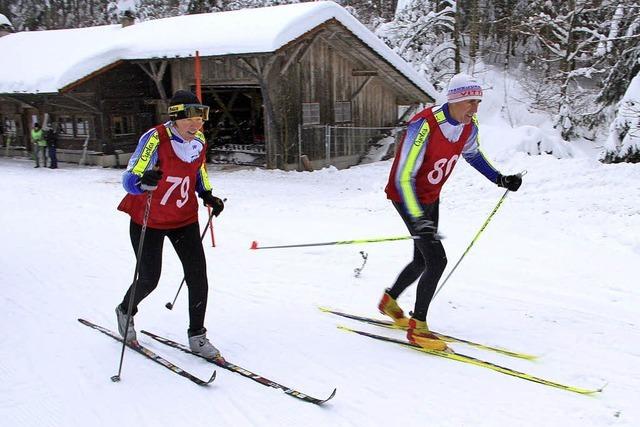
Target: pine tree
[[622, 47], [421, 34], [623, 144], [371, 12], [567, 33]]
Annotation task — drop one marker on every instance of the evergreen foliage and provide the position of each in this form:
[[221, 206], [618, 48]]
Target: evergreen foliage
[[623, 143], [421, 34]]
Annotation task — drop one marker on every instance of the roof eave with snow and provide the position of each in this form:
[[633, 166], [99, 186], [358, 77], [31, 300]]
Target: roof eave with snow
[[242, 32]]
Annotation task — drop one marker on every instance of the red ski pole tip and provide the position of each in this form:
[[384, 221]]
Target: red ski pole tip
[[254, 245]]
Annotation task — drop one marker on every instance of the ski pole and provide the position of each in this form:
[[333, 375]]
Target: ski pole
[[169, 305], [213, 239], [472, 241], [147, 209], [254, 244]]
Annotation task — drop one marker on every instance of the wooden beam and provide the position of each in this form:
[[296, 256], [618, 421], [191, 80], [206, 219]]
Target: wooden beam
[[259, 68], [156, 75], [269, 64], [19, 101], [362, 86], [147, 72], [302, 49], [311, 42], [368, 57], [79, 101], [292, 58], [272, 125], [67, 107], [248, 68], [364, 73], [226, 109]]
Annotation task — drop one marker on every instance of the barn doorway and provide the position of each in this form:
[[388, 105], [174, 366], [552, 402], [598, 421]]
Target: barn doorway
[[235, 130]]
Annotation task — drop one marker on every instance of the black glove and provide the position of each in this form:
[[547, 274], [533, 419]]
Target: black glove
[[510, 182], [149, 179], [215, 203], [424, 227]]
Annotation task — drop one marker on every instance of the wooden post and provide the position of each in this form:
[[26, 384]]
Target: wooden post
[[299, 147], [198, 74]]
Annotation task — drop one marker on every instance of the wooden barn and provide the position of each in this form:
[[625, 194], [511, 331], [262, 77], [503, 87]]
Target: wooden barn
[[286, 84]]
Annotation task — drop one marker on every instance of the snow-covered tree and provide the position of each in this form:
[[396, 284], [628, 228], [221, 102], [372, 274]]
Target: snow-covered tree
[[371, 12], [156, 9], [421, 34], [567, 34], [252, 4], [623, 50], [623, 144], [6, 25]]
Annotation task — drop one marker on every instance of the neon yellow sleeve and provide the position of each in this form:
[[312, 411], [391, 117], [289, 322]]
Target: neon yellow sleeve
[[411, 159]]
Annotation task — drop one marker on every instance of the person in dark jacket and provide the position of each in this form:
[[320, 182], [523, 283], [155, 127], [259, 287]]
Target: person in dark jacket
[[51, 137]]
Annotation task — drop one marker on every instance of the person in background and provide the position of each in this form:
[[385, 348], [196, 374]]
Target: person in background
[[52, 142], [168, 166], [39, 145], [434, 140]]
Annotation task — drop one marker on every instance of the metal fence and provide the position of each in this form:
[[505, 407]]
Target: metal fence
[[342, 146], [317, 146]]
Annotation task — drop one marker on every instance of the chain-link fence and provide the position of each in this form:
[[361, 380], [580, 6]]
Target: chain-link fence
[[341, 146], [317, 147]]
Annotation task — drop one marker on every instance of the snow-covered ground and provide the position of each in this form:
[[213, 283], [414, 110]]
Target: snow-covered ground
[[554, 274]]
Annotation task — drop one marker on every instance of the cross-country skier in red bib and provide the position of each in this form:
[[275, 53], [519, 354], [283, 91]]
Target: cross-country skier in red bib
[[169, 165], [434, 141]]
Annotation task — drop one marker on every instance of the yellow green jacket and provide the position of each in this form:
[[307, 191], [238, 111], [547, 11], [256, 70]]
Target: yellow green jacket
[[37, 136]]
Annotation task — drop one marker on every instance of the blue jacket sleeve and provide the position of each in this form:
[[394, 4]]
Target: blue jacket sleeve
[[141, 161]]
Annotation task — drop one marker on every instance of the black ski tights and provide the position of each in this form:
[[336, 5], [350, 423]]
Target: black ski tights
[[186, 242], [429, 262]]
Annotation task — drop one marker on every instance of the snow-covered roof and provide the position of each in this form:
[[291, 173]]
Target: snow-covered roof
[[46, 61]]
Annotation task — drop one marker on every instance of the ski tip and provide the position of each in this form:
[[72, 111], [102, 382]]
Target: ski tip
[[325, 309], [525, 356], [600, 390], [586, 392], [344, 328], [254, 245], [213, 377], [333, 393]]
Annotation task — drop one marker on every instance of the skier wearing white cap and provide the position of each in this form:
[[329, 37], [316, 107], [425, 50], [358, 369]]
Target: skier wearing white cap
[[434, 140]]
